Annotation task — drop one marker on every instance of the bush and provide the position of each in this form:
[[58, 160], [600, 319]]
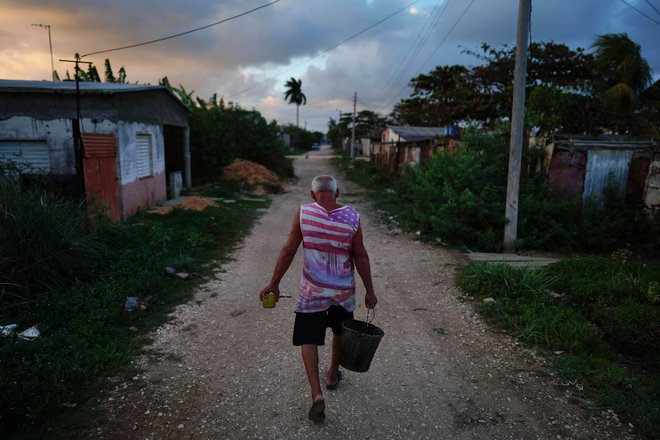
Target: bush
[[219, 134], [603, 316], [460, 199], [632, 326], [455, 198], [45, 243], [85, 333]]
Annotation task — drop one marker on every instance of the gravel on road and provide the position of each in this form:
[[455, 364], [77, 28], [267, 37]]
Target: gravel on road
[[225, 368]]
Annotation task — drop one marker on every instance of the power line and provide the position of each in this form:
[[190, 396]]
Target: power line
[[181, 33], [416, 47], [327, 50], [653, 6], [631, 6], [391, 102]]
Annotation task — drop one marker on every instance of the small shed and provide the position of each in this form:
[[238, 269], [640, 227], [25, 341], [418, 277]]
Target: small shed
[[582, 168], [135, 140], [402, 145]]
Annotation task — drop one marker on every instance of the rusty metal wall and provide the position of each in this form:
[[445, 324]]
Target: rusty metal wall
[[605, 167], [566, 172]]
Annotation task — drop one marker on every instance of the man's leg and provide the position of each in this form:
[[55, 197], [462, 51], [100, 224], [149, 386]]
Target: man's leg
[[310, 355], [334, 362]]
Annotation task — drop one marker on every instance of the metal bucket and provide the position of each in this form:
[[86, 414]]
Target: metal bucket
[[359, 341]]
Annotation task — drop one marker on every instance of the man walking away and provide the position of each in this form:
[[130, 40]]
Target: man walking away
[[333, 247]]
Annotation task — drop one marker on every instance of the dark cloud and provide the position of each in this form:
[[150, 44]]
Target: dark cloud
[[249, 59]]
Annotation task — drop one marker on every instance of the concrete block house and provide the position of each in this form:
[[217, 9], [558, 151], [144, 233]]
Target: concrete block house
[[134, 146]]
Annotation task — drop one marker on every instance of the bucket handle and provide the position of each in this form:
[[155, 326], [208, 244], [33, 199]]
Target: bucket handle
[[373, 315]]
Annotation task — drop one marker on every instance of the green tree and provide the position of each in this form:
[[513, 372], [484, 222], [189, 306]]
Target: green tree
[[109, 75], [294, 95], [220, 133], [483, 93], [622, 77]]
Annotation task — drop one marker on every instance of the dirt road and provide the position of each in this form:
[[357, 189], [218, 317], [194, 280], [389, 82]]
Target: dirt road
[[225, 368]]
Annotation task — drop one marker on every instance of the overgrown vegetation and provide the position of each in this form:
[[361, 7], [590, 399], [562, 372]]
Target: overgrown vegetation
[[610, 88], [70, 274], [598, 321], [458, 199], [220, 133]]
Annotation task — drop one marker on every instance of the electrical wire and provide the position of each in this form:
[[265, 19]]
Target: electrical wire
[[631, 6], [653, 6], [419, 43], [325, 50], [181, 33], [395, 97]]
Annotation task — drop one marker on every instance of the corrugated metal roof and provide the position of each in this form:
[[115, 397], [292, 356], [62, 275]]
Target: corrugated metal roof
[[606, 144], [411, 133], [22, 86]]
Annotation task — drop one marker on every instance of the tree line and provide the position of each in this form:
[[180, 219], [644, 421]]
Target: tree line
[[610, 89]]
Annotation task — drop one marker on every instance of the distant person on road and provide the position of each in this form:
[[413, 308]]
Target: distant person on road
[[331, 235]]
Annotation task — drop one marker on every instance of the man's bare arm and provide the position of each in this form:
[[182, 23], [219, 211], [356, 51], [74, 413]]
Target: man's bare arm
[[361, 259], [285, 258]]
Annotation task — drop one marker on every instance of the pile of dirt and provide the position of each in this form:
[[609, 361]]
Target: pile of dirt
[[194, 203], [261, 178]]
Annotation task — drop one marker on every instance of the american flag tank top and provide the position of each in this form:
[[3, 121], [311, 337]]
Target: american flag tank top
[[328, 271]]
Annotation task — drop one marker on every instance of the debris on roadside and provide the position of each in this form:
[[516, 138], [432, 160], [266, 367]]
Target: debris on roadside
[[8, 330], [30, 334], [171, 271], [131, 303], [134, 302]]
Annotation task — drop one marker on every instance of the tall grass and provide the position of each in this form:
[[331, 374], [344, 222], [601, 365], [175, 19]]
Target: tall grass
[[602, 317], [75, 289]]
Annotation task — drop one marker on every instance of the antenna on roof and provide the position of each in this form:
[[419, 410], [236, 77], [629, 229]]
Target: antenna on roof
[[50, 43]]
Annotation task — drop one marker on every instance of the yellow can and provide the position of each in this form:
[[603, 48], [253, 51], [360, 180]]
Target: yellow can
[[268, 301]]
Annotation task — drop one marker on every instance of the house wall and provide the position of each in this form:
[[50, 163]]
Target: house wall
[[652, 190], [389, 135], [135, 194], [366, 146], [58, 134]]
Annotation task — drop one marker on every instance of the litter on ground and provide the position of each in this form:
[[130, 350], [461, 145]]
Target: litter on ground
[[7, 330], [30, 334]]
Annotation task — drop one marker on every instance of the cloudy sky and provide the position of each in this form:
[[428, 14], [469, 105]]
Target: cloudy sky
[[336, 47]]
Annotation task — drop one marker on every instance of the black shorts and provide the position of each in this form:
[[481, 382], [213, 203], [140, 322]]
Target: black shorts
[[309, 328]]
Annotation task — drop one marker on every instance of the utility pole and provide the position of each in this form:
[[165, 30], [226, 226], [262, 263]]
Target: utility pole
[[50, 44], [353, 130], [77, 141], [517, 126]]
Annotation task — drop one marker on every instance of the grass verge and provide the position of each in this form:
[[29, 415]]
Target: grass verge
[[601, 316], [86, 333], [597, 321]]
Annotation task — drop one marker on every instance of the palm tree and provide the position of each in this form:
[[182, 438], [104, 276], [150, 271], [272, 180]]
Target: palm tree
[[295, 95], [622, 74]]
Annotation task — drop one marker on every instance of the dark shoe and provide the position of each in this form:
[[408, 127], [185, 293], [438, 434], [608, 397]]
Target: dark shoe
[[336, 384], [317, 411]]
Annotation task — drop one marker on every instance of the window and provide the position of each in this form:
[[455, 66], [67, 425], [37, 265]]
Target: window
[[31, 157], [143, 156]]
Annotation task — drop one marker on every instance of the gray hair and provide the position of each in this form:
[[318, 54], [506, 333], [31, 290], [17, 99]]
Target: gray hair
[[324, 183]]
